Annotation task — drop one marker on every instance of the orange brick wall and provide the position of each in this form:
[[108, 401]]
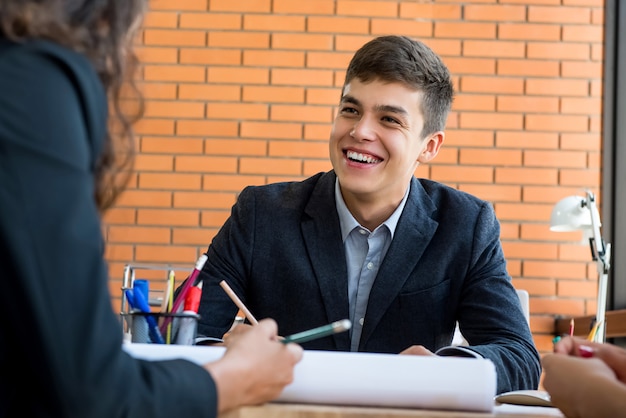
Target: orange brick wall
[[243, 92]]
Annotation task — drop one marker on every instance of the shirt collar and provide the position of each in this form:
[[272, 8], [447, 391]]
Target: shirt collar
[[348, 223]]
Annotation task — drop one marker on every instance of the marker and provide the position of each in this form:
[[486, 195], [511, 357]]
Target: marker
[[319, 332], [142, 304]]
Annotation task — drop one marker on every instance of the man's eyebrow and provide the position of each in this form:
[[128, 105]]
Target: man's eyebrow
[[350, 99], [392, 109]]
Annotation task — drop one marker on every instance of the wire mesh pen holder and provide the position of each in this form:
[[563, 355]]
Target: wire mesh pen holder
[[162, 327], [161, 278]]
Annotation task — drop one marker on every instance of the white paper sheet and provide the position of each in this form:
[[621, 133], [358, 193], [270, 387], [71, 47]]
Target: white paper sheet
[[368, 379]]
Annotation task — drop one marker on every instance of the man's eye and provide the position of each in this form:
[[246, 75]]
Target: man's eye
[[348, 110], [390, 119]]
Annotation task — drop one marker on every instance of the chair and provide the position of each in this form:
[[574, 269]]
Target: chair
[[523, 296]]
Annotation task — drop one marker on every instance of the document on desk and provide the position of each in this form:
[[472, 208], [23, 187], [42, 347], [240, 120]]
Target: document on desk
[[367, 379]]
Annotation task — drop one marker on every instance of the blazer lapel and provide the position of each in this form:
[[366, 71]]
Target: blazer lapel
[[413, 233], [322, 237]]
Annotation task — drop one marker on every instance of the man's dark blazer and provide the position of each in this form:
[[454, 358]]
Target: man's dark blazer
[[281, 251]]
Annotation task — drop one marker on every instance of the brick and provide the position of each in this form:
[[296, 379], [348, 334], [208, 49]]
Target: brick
[[156, 19], [117, 215], [412, 10], [496, 13], [158, 90], [478, 156], [144, 198], [210, 56], [581, 141], [563, 307], [171, 109], [502, 85], [556, 123], [180, 73], [203, 200], [270, 58], [558, 51], [529, 31], [253, 111], [472, 174], [318, 7], [167, 217], [178, 37], [573, 289], [323, 96], [273, 94], [301, 77], [138, 235], [171, 145], [554, 270], [230, 182], [215, 92], [238, 39], [325, 60], [526, 140], [305, 41], [280, 166], [583, 33], [580, 178], [316, 131], [536, 287], [547, 194], [495, 49], [559, 14], [169, 181], [210, 21], [534, 176], [581, 105], [532, 250], [236, 147], [474, 102], [153, 162], [271, 130], [165, 254], [401, 27], [464, 29], [118, 252], [294, 149], [304, 113], [154, 127], [196, 237], [238, 75], [367, 8], [247, 6], [336, 24], [490, 120], [483, 66], [494, 192], [206, 128], [157, 55], [205, 164], [178, 5], [274, 23], [469, 137], [530, 104], [578, 69], [528, 68], [549, 158]]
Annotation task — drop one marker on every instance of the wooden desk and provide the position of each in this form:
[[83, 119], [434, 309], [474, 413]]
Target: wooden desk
[[284, 410]]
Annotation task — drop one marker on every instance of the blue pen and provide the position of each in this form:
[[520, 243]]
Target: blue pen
[[142, 305]]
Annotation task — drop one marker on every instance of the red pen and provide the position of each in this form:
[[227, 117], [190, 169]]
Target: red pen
[[189, 324]]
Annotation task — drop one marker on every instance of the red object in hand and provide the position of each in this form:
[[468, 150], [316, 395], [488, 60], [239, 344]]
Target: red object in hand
[[586, 351]]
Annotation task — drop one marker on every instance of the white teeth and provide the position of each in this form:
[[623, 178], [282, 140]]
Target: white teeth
[[357, 156]]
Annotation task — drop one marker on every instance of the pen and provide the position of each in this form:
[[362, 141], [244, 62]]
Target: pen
[[238, 302], [319, 332], [180, 298], [142, 304], [571, 327]]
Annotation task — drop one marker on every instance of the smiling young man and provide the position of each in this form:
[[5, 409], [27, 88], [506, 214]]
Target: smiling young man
[[403, 258]]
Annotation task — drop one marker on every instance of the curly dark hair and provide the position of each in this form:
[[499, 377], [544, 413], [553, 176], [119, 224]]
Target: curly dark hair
[[103, 31], [405, 60]]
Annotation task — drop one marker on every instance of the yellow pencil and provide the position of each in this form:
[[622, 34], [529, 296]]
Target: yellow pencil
[[594, 330]]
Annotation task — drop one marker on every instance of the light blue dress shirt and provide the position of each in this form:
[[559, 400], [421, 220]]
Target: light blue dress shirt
[[365, 251]]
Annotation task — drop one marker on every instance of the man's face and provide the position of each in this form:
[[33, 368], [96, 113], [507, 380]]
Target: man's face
[[375, 143]]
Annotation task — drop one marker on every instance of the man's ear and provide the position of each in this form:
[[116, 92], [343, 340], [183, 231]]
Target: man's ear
[[432, 144]]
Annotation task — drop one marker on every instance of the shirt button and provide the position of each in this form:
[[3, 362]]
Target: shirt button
[[370, 265], [361, 321], [362, 231]]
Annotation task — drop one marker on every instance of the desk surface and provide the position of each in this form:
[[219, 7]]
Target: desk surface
[[284, 410]]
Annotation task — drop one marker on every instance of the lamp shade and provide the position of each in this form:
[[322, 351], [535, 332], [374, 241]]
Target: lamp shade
[[570, 214]]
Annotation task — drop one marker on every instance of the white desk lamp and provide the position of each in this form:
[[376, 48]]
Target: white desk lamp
[[580, 213]]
